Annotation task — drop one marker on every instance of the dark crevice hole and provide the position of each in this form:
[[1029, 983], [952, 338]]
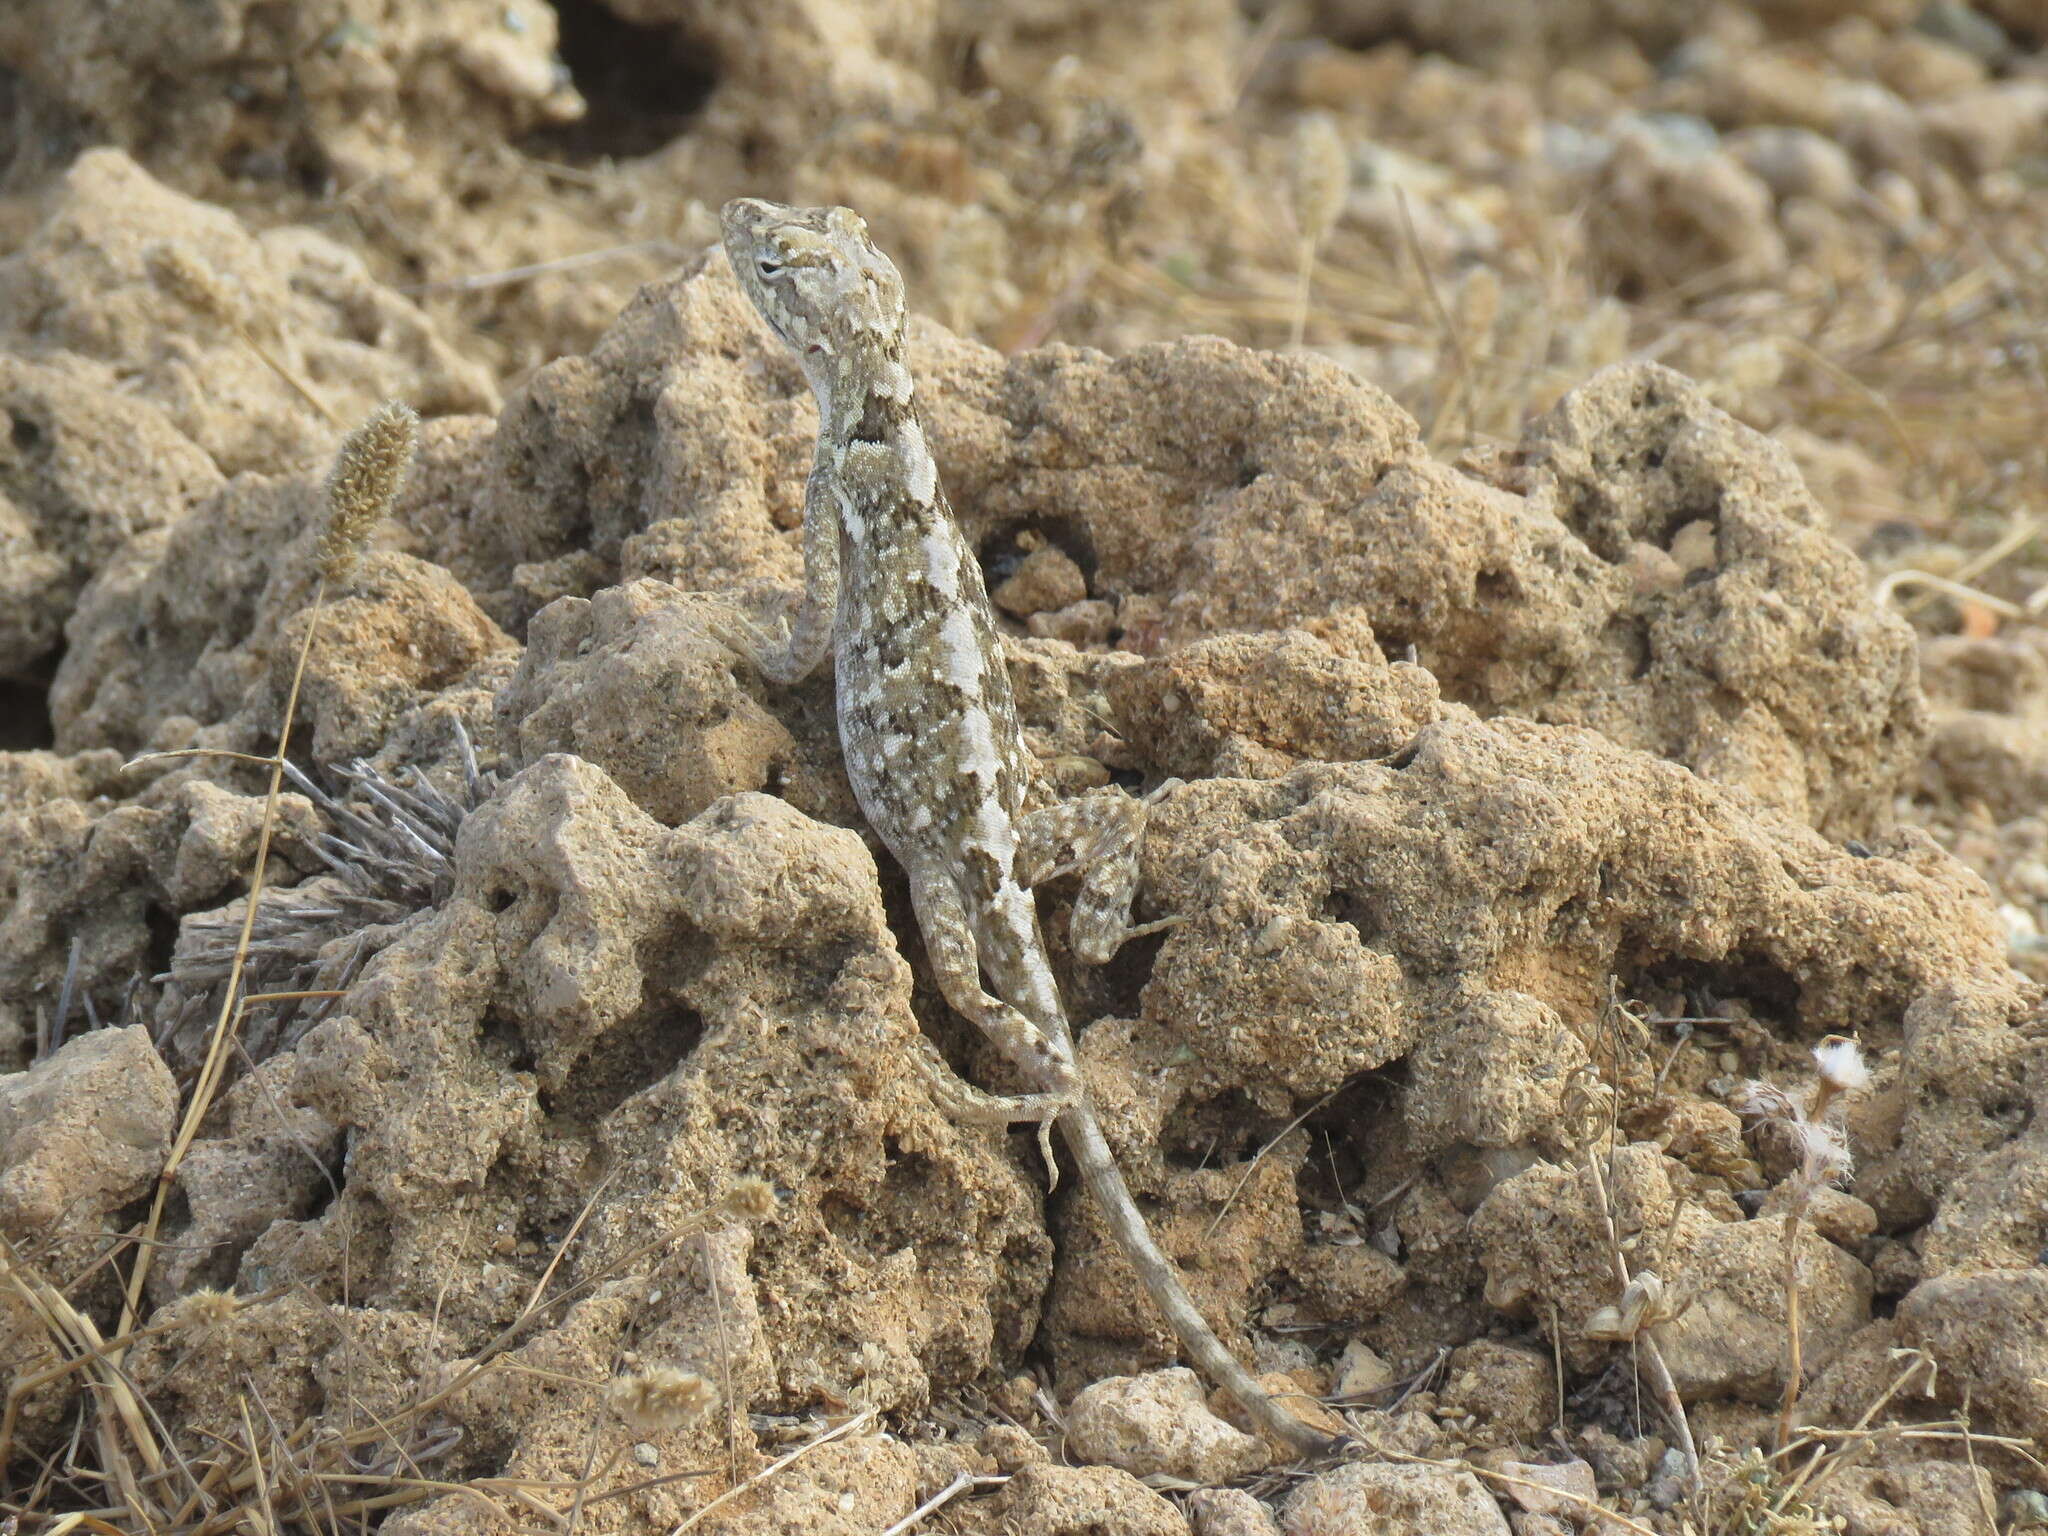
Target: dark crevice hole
[[633, 1056], [644, 85], [25, 715]]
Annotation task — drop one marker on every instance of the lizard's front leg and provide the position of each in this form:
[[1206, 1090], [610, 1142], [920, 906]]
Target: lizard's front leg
[[1103, 828], [788, 658]]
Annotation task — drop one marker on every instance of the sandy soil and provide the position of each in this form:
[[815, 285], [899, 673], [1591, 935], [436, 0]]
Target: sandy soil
[[1563, 484]]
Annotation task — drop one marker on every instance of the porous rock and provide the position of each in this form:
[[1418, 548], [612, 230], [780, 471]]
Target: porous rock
[[86, 881], [635, 681], [1510, 1389], [1731, 1340], [82, 468], [1395, 1499], [600, 986], [1051, 1500], [1237, 490], [1547, 1255], [83, 1132]]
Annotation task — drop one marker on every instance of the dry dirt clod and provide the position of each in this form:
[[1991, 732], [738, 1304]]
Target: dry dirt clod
[[1159, 1422]]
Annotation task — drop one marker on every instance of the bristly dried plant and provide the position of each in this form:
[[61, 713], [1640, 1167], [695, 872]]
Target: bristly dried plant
[[369, 471], [389, 849], [367, 476], [1812, 1122], [661, 1398], [1319, 177]]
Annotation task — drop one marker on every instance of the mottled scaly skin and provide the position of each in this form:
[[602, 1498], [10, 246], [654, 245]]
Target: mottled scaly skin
[[928, 722]]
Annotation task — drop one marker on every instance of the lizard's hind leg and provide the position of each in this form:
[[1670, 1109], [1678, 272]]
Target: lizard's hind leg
[[1103, 828], [1045, 1060]]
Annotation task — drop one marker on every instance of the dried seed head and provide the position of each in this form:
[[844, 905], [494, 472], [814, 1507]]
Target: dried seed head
[[750, 1200], [661, 1398], [1642, 1305], [191, 282], [1841, 1064], [1602, 337], [1823, 1152], [365, 480], [1763, 1101], [1321, 173], [1476, 306], [204, 1310]]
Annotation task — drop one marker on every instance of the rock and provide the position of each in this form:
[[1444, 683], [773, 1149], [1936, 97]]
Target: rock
[[1509, 1390], [1556, 1490], [1088, 622], [1301, 1390], [82, 469], [1937, 1132], [354, 104], [404, 631], [92, 878], [1394, 1500], [666, 984], [1159, 1423], [1495, 1078], [1044, 580], [164, 290], [678, 448], [849, 1488], [1730, 1340], [1985, 129], [1011, 1449], [634, 681], [1360, 1371], [1797, 162], [1990, 1333], [1904, 1496], [1670, 210], [1539, 1236], [1837, 1216], [1229, 1512], [1924, 68], [1265, 702]]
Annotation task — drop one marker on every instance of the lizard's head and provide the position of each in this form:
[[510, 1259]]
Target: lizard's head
[[816, 279]]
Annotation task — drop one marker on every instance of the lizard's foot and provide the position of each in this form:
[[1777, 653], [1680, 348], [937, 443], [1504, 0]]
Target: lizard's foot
[[966, 1103], [769, 649]]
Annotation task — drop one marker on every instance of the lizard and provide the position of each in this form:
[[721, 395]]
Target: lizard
[[929, 731]]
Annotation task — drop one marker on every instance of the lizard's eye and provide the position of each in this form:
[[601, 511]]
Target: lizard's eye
[[767, 266]]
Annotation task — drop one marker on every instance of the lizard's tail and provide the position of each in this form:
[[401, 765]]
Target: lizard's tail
[[1162, 1283]]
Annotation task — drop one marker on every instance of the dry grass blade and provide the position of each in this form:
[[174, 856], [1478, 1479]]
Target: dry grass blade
[[1460, 387], [1890, 586], [1320, 173], [187, 279], [1257, 1157], [480, 281]]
